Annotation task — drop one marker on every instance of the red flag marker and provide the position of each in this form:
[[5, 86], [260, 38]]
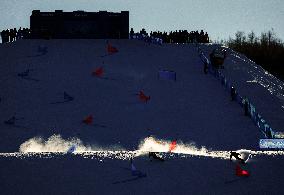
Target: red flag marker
[[173, 145], [240, 172], [143, 97], [98, 72], [111, 49], [88, 120]]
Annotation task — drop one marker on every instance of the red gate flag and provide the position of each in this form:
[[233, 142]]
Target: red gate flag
[[240, 172], [88, 120], [111, 49], [143, 97], [173, 145], [98, 72]]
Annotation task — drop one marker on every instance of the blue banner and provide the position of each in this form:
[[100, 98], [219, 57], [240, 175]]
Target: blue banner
[[271, 143]]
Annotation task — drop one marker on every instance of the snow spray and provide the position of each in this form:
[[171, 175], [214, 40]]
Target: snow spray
[[56, 145]]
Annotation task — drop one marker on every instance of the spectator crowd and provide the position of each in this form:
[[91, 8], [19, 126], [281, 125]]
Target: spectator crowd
[[14, 34], [181, 36], [145, 37]]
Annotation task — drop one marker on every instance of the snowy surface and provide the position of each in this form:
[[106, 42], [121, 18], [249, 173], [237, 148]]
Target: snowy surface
[[194, 109]]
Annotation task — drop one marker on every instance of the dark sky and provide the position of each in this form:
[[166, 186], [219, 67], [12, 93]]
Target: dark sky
[[221, 18]]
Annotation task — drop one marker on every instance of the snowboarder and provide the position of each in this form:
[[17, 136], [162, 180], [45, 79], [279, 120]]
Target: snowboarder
[[155, 156], [236, 155]]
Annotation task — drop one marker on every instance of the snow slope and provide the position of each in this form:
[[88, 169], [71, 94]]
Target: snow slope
[[195, 108], [263, 89]]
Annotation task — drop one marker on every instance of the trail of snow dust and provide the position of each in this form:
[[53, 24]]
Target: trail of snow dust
[[56, 145], [152, 144]]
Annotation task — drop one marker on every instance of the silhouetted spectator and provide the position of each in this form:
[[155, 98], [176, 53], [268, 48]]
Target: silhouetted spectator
[[26, 33], [196, 37], [7, 36], [131, 33], [200, 37], [10, 35], [143, 32], [178, 36], [14, 34], [19, 34], [3, 36], [206, 38]]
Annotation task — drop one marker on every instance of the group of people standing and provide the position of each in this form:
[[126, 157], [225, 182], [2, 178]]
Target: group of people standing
[[14, 34], [181, 36]]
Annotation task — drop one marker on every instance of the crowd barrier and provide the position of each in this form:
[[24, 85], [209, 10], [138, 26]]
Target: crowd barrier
[[263, 126], [147, 39]]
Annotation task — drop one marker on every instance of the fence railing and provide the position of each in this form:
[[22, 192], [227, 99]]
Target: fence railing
[[263, 126], [147, 39]]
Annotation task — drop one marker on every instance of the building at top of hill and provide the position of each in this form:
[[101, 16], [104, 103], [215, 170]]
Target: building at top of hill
[[79, 25]]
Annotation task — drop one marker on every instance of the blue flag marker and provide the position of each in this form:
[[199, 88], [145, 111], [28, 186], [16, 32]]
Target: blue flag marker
[[71, 149], [136, 172]]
